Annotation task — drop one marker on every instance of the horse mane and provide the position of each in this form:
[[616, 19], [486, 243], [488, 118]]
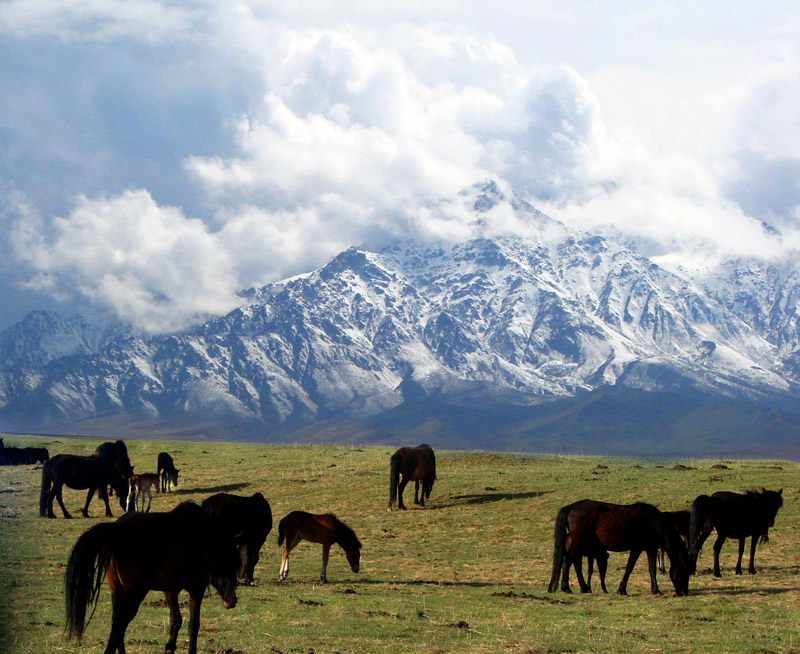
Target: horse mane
[[343, 532]]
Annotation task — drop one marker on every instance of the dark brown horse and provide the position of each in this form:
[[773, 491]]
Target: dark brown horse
[[589, 528], [192, 552], [168, 471], [680, 520], [734, 515], [326, 529], [417, 464], [247, 520], [79, 472]]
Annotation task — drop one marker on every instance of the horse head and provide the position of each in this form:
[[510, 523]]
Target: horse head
[[225, 570]]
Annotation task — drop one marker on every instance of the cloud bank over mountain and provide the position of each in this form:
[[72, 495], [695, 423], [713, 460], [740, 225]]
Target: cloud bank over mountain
[[157, 158]]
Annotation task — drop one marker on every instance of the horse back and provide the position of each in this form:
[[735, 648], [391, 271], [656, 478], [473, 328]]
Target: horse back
[[249, 516], [617, 527]]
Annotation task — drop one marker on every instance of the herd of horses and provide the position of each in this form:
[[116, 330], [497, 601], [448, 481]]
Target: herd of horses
[[219, 541], [20, 456]]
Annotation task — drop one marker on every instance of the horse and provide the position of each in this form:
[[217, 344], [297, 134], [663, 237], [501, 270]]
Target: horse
[[117, 454], [79, 472], [734, 515], [248, 520], [590, 528], [193, 552], [168, 472], [17, 456], [138, 485], [326, 529], [412, 464], [680, 520]]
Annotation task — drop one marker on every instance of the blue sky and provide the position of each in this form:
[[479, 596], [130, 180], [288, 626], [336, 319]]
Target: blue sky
[[157, 156]]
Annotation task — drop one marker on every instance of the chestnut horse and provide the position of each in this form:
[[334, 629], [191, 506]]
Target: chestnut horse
[[326, 529], [193, 551], [79, 472], [412, 464], [248, 520], [734, 515], [589, 528], [138, 485]]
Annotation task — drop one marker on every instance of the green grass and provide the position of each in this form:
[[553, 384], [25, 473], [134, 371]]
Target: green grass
[[467, 573]]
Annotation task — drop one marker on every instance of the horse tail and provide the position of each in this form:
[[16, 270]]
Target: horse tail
[[281, 531], [559, 546], [84, 576], [47, 478], [700, 524], [394, 478]]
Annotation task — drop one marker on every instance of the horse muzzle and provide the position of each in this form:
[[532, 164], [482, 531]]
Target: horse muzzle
[[231, 603]]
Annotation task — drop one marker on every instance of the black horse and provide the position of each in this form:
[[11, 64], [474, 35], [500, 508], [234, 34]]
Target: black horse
[[167, 471], [589, 528], [117, 454], [680, 520], [18, 456], [248, 520], [184, 549], [734, 515], [79, 472], [412, 464]]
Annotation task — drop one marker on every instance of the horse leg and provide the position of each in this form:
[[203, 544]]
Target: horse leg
[[57, 493], [104, 494], [602, 566], [288, 546], [717, 547], [326, 550], [632, 558], [195, 600], [416, 494], [175, 621], [739, 559], [651, 567], [566, 561], [149, 500], [660, 561], [85, 509], [400, 489], [124, 607], [578, 565], [754, 541]]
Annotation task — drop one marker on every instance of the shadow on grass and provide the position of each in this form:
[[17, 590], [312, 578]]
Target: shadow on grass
[[738, 590], [210, 489], [366, 581], [483, 498]]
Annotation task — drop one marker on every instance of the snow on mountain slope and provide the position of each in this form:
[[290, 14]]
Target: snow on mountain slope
[[542, 312]]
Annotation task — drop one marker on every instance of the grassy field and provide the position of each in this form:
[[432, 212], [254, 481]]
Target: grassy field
[[467, 573]]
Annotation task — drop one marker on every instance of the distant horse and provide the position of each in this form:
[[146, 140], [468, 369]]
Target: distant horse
[[680, 520], [248, 520], [138, 485], [326, 529], [589, 528], [734, 515], [17, 456], [192, 551], [168, 472], [79, 472], [412, 464]]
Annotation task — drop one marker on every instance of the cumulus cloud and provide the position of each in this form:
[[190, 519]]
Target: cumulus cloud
[[224, 145]]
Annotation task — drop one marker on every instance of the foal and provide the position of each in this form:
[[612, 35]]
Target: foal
[[137, 486], [326, 529]]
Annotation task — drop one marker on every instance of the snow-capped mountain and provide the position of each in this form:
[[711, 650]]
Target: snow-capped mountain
[[513, 320]]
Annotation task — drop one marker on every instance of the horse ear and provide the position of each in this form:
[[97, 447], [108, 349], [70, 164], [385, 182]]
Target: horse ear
[[780, 492]]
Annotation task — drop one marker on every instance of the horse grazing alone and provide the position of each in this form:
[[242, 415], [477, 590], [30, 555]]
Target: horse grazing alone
[[168, 471], [734, 515], [589, 528], [192, 552], [680, 520], [248, 520], [79, 472], [326, 529], [412, 464], [138, 485]]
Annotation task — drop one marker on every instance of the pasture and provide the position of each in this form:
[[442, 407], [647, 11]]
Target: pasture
[[467, 573]]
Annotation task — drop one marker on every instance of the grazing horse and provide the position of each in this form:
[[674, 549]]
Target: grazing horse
[[192, 552], [138, 485], [168, 471], [79, 472], [734, 515], [680, 520], [248, 520], [326, 529], [589, 528], [117, 454], [412, 464], [17, 456]]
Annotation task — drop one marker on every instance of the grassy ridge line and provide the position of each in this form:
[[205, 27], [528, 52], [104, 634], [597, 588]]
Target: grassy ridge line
[[466, 574]]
